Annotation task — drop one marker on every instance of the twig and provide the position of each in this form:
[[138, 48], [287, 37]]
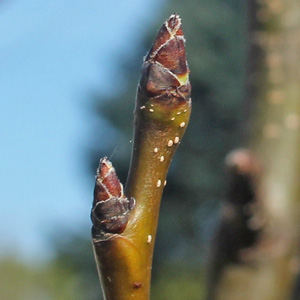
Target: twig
[[124, 227]]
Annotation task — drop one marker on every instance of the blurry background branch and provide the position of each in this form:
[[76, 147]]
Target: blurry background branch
[[264, 267]]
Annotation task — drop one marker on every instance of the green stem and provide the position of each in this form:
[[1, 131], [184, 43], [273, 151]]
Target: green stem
[[162, 113]]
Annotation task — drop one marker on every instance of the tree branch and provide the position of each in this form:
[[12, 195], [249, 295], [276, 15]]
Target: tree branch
[[124, 227]]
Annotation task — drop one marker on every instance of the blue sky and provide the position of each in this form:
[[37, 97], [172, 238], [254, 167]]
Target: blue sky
[[52, 54]]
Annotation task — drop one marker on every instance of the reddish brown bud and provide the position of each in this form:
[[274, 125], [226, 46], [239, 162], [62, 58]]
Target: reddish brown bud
[[110, 208], [111, 216], [107, 183], [172, 56], [170, 30], [165, 71]]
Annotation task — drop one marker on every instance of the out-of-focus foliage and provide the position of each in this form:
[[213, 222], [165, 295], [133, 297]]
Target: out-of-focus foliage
[[177, 282], [75, 255], [71, 278], [71, 274], [18, 281]]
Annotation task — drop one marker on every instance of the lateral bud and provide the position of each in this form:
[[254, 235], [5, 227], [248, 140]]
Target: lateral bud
[[110, 207]]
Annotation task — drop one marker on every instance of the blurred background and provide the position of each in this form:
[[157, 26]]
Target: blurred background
[[69, 71]]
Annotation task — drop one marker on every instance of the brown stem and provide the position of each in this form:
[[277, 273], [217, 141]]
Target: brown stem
[[162, 113]]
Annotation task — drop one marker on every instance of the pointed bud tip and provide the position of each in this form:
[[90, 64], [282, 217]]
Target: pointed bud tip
[[174, 23], [104, 166], [107, 182], [169, 30]]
